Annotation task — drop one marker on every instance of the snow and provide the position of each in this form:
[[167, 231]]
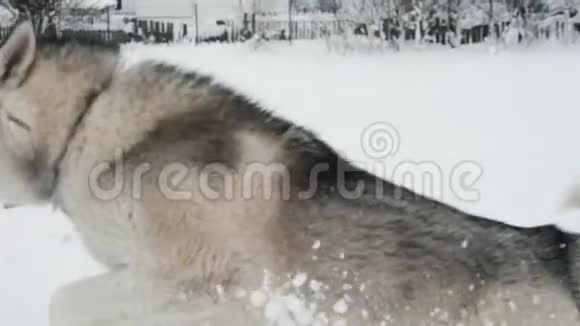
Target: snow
[[39, 252], [465, 244], [340, 307], [316, 245], [299, 280], [94, 3], [473, 14], [307, 17], [315, 286], [507, 121], [258, 298]]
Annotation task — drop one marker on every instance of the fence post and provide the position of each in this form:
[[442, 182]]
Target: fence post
[[108, 19], [196, 16], [254, 23], [290, 3]]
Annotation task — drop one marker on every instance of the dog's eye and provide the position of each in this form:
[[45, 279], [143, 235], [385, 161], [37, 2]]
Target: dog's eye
[[18, 122]]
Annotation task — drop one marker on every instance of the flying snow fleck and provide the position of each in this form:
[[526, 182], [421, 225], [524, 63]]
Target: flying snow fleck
[[340, 307], [258, 298], [299, 280], [316, 245], [315, 286]]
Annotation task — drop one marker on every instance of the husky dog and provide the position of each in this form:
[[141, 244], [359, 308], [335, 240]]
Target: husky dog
[[210, 210]]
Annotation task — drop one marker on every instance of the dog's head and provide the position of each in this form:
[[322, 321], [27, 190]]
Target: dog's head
[[21, 173], [46, 87]]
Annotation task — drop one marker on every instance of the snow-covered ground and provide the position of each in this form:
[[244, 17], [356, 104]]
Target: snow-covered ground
[[498, 132]]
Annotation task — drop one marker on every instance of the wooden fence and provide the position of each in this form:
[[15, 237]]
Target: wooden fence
[[436, 32], [4, 32], [113, 37], [300, 30], [144, 31], [252, 26], [155, 31]]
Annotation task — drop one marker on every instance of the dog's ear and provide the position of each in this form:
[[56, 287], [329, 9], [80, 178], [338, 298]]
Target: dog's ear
[[17, 55]]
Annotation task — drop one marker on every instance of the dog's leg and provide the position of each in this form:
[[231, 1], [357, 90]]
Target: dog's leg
[[523, 305], [109, 297], [233, 313], [116, 299]]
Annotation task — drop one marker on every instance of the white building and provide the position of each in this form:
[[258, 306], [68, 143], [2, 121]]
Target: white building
[[207, 9], [182, 12]]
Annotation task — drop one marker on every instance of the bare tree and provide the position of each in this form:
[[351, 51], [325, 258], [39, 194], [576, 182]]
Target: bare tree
[[42, 13], [8, 6], [328, 5], [365, 11], [47, 15]]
